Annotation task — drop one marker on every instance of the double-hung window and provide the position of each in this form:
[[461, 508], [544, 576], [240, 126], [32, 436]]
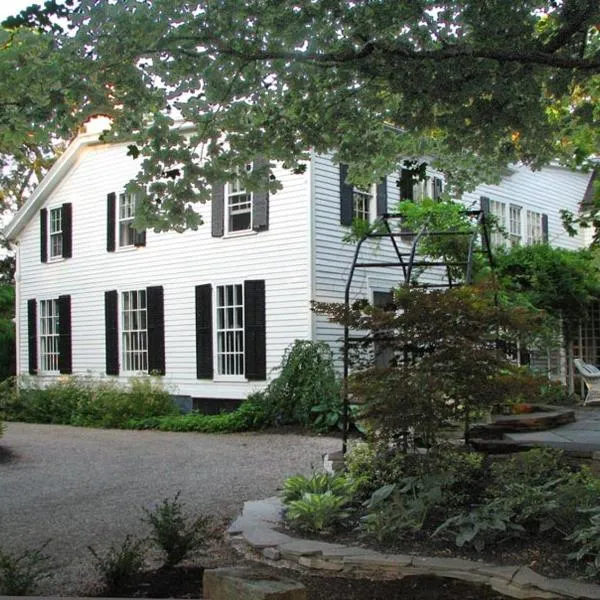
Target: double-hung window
[[498, 210], [514, 224], [238, 206], [49, 336], [534, 227], [126, 217], [56, 232], [230, 329], [134, 328], [362, 200]]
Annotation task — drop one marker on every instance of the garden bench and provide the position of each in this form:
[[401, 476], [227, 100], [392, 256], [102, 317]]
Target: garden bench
[[591, 377]]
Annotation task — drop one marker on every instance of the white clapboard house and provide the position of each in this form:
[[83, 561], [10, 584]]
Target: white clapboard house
[[213, 310]]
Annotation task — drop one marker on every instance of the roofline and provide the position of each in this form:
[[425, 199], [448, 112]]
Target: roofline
[[49, 182]]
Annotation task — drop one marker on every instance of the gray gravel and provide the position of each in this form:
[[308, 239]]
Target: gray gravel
[[81, 487]]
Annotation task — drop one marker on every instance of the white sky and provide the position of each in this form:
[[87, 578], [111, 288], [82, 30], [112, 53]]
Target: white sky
[[9, 8]]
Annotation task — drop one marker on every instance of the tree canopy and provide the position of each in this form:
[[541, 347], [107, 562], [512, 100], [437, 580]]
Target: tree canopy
[[472, 85]]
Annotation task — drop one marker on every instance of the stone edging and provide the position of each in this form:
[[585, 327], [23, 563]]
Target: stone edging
[[256, 530]]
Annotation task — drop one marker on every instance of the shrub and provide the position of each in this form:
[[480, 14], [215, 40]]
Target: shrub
[[296, 486], [317, 512], [120, 563], [174, 534], [20, 573], [587, 538]]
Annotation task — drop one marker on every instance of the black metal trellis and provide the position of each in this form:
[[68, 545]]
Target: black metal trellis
[[407, 271]]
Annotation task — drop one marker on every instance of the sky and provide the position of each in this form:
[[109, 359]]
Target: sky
[[12, 7]]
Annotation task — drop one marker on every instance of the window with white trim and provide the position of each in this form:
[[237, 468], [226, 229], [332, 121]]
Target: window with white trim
[[498, 210], [134, 328], [238, 205], [514, 224], [56, 232], [126, 214], [230, 329], [534, 227], [362, 200], [49, 336]]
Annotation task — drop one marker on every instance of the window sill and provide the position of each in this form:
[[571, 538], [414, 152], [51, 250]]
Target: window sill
[[126, 248], [237, 234], [56, 259], [229, 379]]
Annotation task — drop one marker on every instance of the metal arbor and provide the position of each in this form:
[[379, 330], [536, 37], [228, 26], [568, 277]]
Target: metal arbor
[[407, 261]]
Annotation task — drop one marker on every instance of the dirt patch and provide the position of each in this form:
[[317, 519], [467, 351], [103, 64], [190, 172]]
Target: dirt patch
[[7, 455]]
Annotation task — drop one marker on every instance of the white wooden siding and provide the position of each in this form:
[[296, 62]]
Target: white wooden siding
[[176, 261]]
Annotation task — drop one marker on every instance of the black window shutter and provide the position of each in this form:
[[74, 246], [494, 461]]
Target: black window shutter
[[204, 332], [139, 238], [346, 200], [67, 230], [255, 330], [545, 228], [217, 218], [65, 363], [438, 188], [406, 185], [111, 321], [111, 221], [484, 203], [260, 201], [32, 335], [156, 329], [44, 235], [382, 197]]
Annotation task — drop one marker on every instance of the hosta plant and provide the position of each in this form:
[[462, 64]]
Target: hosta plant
[[317, 512], [296, 486]]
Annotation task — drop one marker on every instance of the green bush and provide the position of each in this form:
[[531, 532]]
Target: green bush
[[176, 536], [7, 331], [317, 512], [20, 573], [86, 402], [120, 563], [318, 483], [586, 538]]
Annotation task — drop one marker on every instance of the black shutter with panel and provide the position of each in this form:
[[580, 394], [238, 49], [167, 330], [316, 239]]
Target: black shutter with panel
[[545, 228], [346, 197], [438, 188], [204, 334], [260, 201], [217, 218], [111, 322], [32, 335], [255, 330], [156, 329], [111, 223], [65, 363], [382, 197], [67, 230], [44, 235], [484, 203], [406, 185]]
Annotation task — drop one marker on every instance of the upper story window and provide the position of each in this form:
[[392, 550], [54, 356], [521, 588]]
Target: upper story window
[[534, 227], [498, 210], [126, 217], [230, 329], [134, 336], [56, 232], [49, 336], [238, 206], [362, 199], [514, 224]]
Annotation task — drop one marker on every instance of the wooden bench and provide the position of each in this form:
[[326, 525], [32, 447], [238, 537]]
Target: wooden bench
[[591, 377]]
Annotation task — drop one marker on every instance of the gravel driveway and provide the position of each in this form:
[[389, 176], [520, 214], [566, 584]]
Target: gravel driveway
[[81, 487]]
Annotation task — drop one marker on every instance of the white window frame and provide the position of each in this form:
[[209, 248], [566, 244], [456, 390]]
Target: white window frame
[[125, 216], [238, 201], [230, 334], [133, 311], [498, 210], [535, 233], [49, 334], [515, 226], [362, 203], [55, 233]]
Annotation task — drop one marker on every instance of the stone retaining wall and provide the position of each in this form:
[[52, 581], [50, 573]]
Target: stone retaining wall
[[255, 530]]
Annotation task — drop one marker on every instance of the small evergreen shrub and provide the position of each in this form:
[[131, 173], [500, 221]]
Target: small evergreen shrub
[[120, 563], [176, 536], [20, 573]]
